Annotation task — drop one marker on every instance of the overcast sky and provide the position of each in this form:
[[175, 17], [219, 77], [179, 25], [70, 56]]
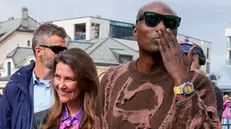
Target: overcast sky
[[205, 19]]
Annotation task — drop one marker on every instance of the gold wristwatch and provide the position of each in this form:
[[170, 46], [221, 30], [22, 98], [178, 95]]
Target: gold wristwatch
[[186, 88]]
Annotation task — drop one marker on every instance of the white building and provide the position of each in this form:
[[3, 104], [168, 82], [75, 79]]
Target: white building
[[228, 53], [19, 57], [16, 32], [88, 28]]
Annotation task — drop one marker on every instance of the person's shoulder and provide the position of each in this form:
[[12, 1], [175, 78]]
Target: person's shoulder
[[119, 68], [201, 81], [21, 75], [112, 73], [40, 117], [217, 90], [25, 69], [41, 114], [11, 88], [115, 70]]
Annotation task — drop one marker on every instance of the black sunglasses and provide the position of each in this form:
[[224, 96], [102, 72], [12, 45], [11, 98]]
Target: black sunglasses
[[152, 19], [55, 49]]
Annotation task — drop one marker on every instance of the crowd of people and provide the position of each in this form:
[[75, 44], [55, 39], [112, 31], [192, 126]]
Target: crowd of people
[[164, 88]]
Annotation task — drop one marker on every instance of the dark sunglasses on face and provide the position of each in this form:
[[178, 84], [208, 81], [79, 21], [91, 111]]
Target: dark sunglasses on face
[[55, 49], [152, 19]]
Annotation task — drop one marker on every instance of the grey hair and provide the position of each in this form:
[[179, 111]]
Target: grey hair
[[44, 31]]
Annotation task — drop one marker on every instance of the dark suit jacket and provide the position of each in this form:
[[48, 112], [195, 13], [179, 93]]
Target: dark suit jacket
[[219, 99], [40, 118]]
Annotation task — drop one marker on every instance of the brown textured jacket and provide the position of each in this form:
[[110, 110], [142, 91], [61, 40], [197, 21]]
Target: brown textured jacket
[[129, 99]]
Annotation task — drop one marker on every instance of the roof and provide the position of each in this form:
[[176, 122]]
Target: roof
[[130, 43], [87, 17], [6, 78], [120, 51], [19, 55], [105, 51], [82, 45], [194, 38], [10, 26], [102, 51], [224, 81]]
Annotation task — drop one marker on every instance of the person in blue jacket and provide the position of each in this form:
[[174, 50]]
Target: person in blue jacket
[[0, 98], [28, 91]]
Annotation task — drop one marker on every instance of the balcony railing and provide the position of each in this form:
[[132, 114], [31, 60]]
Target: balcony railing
[[81, 36]]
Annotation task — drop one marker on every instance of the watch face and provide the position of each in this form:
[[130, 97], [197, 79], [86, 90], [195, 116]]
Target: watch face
[[188, 88]]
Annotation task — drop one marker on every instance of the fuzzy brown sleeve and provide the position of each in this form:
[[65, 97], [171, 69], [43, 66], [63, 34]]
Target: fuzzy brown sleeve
[[100, 105], [199, 110]]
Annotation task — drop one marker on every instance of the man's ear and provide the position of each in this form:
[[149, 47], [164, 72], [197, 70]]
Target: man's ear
[[38, 51], [134, 31]]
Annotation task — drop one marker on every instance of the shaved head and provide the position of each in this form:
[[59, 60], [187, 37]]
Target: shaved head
[[146, 34], [156, 6]]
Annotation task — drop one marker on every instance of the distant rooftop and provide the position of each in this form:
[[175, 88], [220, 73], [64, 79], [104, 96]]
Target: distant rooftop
[[194, 38], [224, 81], [88, 17], [103, 51], [25, 24], [7, 78], [19, 55]]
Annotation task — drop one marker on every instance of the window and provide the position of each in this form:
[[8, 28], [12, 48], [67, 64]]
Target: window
[[124, 58], [208, 67], [229, 61], [80, 31], [121, 30], [207, 53], [28, 43], [229, 42], [95, 30], [9, 68]]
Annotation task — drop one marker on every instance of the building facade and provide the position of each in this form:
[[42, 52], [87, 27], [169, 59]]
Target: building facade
[[88, 28], [228, 50], [16, 33]]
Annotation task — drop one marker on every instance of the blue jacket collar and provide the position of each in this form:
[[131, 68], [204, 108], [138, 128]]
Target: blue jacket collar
[[23, 77]]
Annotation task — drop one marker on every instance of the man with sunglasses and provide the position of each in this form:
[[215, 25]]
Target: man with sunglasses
[[156, 91], [28, 90], [199, 59]]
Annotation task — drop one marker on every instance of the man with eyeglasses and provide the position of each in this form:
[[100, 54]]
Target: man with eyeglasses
[[156, 91], [28, 90]]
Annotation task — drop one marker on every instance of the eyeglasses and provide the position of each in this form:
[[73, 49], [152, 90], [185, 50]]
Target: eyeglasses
[[55, 49], [152, 19]]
